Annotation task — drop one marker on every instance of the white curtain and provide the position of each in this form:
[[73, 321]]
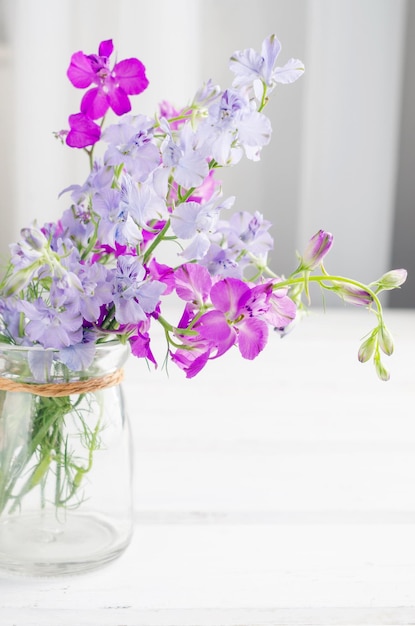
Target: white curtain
[[332, 162]]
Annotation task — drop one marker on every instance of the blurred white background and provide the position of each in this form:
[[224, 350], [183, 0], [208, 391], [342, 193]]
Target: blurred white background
[[343, 148]]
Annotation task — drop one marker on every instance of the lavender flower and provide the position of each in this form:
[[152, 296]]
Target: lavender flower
[[197, 221], [116, 225], [130, 144], [186, 157], [232, 125], [51, 326], [249, 66], [134, 296]]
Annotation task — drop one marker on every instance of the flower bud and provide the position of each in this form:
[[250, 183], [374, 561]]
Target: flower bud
[[381, 371], [354, 295], [34, 238], [367, 348], [316, 250], [385, 340], [392, 279], [18, 280]]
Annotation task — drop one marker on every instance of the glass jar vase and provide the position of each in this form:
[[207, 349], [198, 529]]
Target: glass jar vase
[[65, 461]]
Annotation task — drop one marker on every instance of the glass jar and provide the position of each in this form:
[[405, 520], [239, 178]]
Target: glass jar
[[65, 461]]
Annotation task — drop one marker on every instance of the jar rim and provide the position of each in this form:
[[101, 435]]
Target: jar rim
[[14, 347]]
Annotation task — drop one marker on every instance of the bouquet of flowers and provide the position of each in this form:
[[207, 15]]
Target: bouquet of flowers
[[99, 271], [96, 271]]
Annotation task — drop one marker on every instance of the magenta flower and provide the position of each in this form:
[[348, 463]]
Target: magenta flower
[[282, 311], [113, 86], [84, 132], [193, 283], [236, 317], [207, 189], [196, 351], [167, 110], [192, 361], [140, 342]]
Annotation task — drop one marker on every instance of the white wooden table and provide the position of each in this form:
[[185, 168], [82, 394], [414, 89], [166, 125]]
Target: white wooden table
[[275, 492]]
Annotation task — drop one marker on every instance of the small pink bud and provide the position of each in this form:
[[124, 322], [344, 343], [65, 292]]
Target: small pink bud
[[316, 250]]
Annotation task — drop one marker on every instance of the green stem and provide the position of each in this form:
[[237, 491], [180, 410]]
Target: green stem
[[46, 454], [264, 97], [92, 242], [169, 328], [155, 242], [321, 279]]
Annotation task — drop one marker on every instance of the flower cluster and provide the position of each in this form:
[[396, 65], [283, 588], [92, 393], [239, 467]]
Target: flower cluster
[[99, 270]]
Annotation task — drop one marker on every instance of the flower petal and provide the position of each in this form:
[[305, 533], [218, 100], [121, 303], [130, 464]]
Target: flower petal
[[84, 132], [289, 73], [79, 71], [226, 295], [252, 337], [95, 103], [131, 76]]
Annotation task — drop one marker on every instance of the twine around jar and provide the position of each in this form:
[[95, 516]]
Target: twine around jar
[[57, 390]]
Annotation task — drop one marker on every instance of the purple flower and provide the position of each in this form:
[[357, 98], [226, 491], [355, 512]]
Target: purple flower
[[232, 124], [193, 360], [27, 258], [84, 132], [96, 291], [78, 357], [141, 202], [113, 86], [163, 273], [140, 342], [99, 178], [282, 311], [77, 223], [195, 221], [52, 326], [196, 351], [247, 233], [131, 143], [116, 226], [10, 319], [193, 283], [249, 65], [237, 317], [187, 157], [134, 296], [29, 249], [222, 262], [239, 245], [207, 189]]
